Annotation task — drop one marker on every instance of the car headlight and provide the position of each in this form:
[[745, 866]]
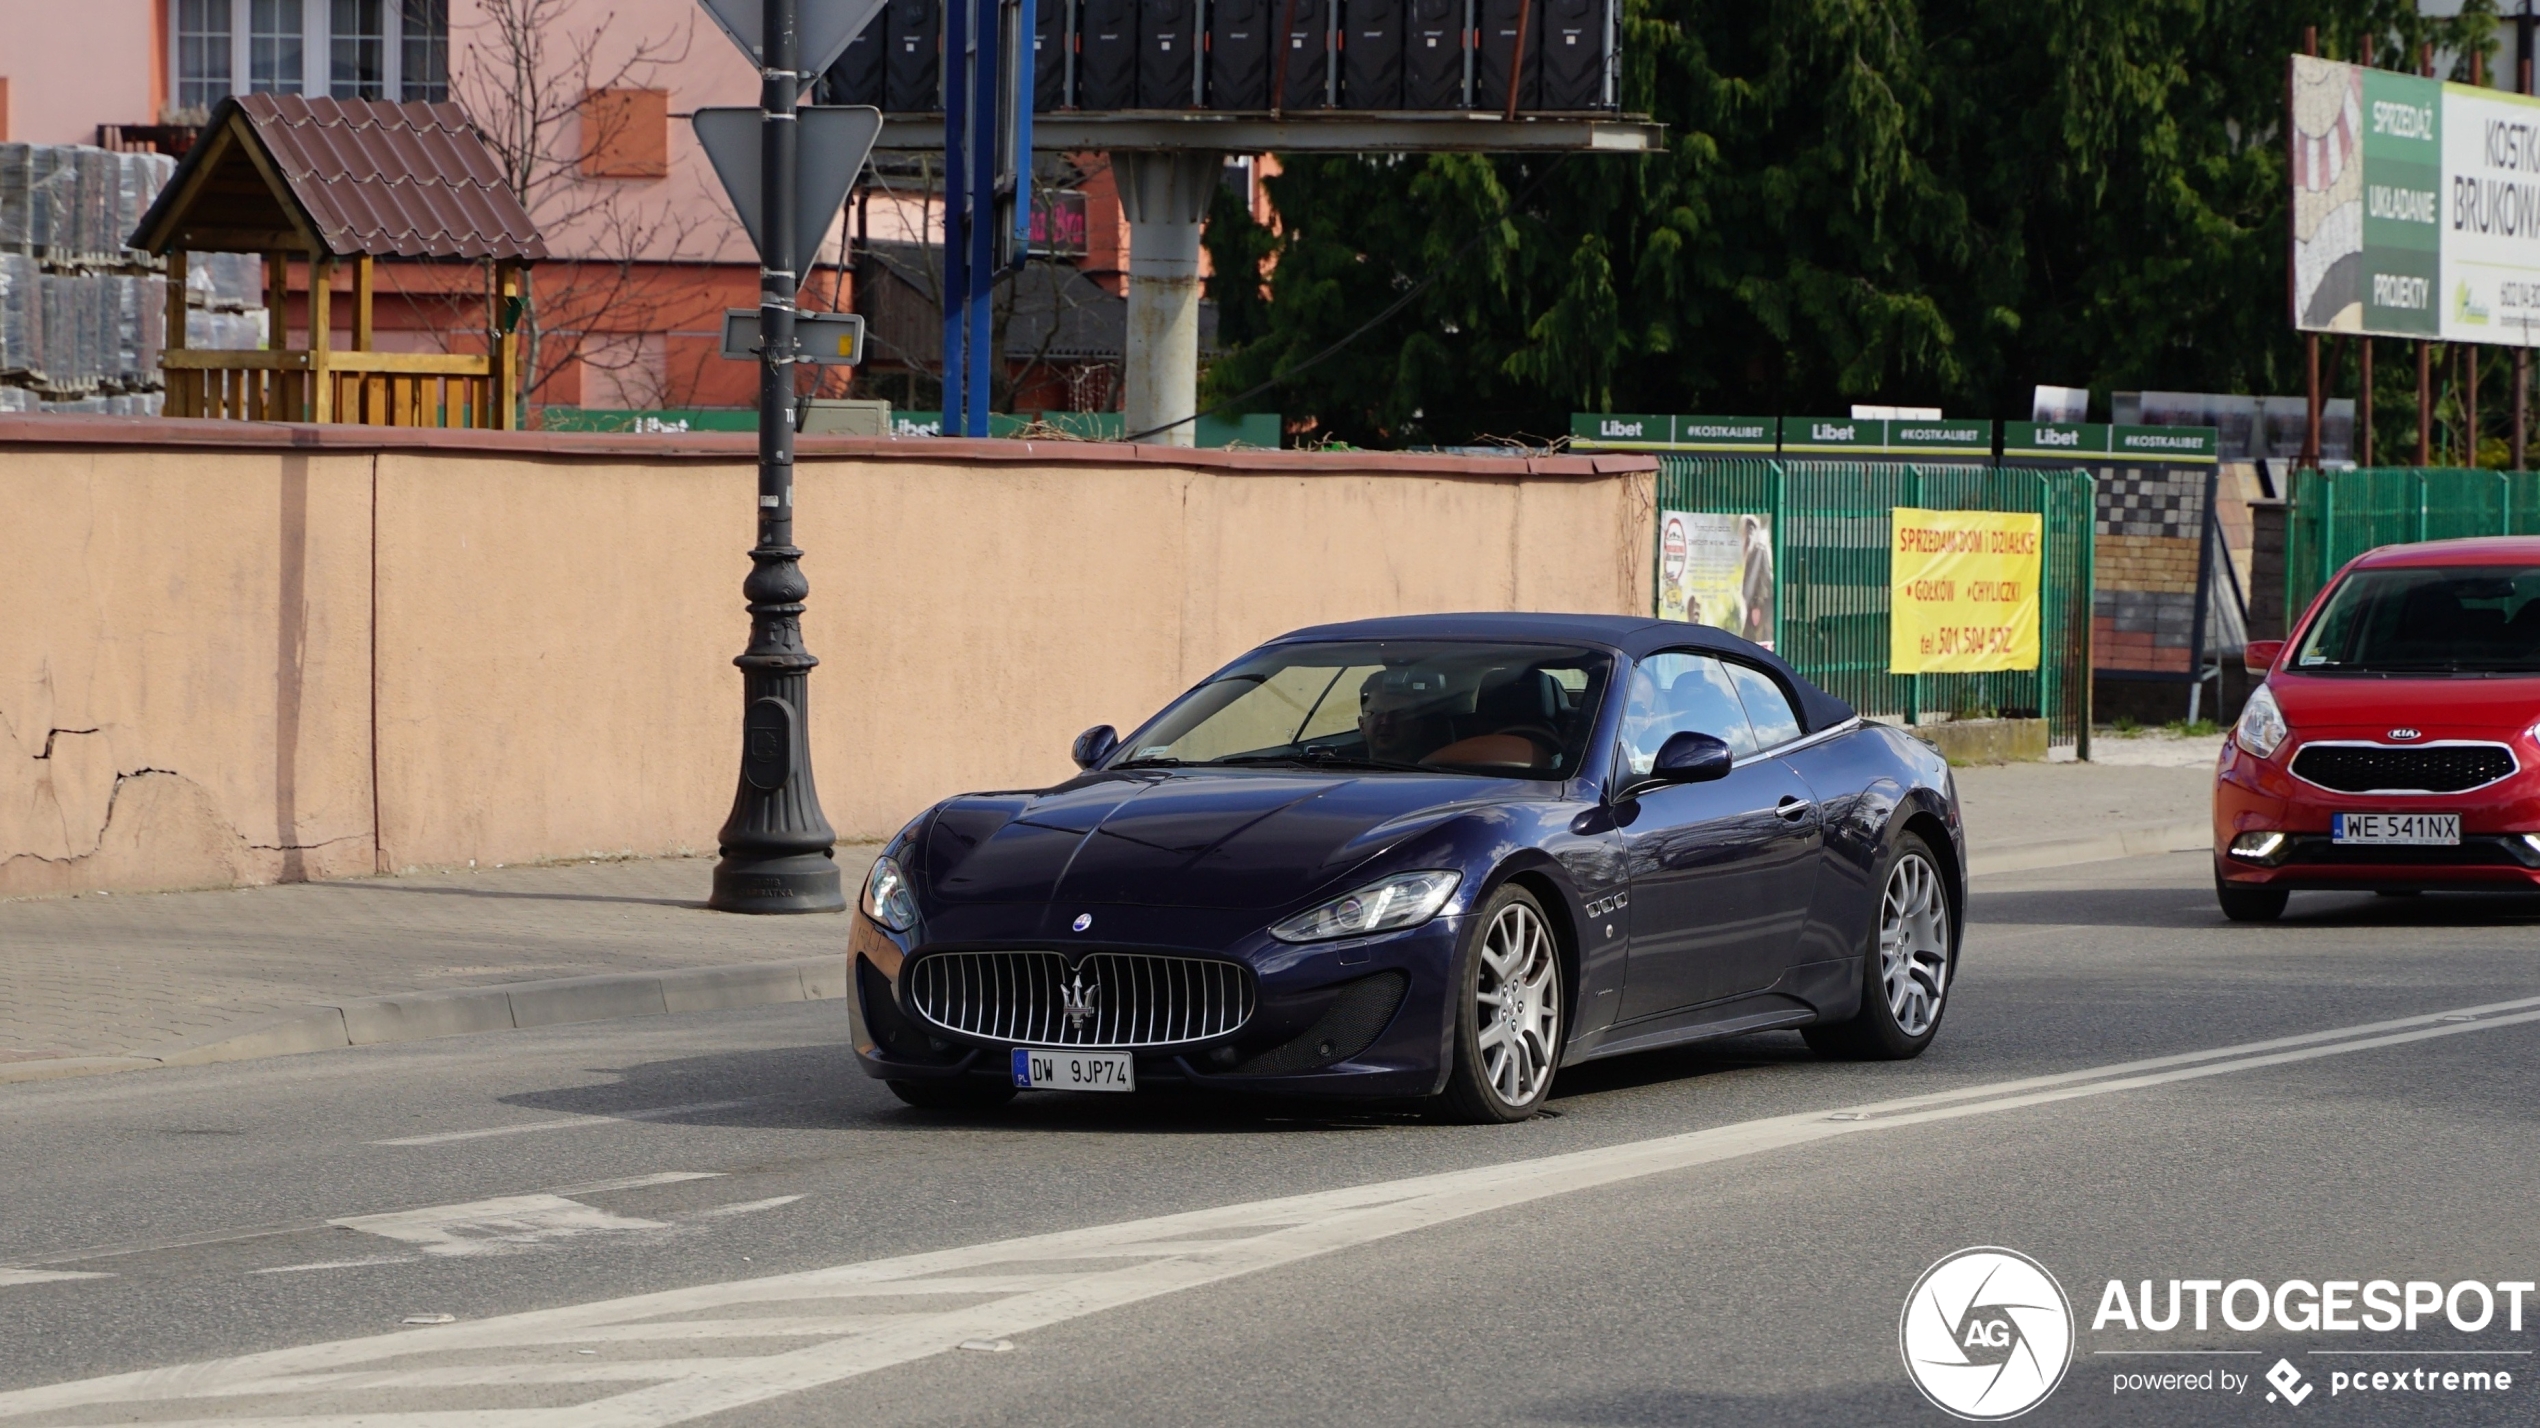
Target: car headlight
[[887, 899], [2261, 729], [1403, 900]]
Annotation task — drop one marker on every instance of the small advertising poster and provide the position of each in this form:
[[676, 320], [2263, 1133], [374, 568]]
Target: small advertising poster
[[1964, 596], [1716, 569]]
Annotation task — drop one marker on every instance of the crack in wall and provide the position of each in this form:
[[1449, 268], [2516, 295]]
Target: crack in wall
[[115, 794], [51, 734], [108, 821]]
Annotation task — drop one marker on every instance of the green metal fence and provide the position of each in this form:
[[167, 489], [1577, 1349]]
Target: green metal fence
[[2338, 515], [1830, 528]]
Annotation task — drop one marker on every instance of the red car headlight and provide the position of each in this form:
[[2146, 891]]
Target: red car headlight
[[2261, 730]]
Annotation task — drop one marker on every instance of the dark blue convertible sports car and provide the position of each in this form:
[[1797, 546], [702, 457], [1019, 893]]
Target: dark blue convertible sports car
[[1433, 857]]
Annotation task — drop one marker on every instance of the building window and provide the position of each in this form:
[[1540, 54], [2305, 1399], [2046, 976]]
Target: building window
[[202, 52], [276, 62], [423, 28], [359, 32], [352, 49]]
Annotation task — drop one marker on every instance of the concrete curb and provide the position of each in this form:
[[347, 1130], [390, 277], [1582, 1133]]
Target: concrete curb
[[2064, 852], [506, 1006]]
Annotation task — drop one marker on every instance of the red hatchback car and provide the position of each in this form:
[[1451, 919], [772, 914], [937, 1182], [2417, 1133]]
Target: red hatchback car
[[2392, 748]]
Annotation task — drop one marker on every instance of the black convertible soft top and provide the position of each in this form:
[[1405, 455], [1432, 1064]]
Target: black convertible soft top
[[1634, 636]]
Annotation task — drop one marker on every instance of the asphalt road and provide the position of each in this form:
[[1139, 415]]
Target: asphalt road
[[1724, 1235]]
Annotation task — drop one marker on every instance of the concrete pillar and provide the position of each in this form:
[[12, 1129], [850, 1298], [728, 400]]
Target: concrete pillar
[[1165, 195]]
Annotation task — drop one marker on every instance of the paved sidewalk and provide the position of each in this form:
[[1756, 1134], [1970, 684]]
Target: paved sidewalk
[[2014, 804], [261, 971], [138, 974]]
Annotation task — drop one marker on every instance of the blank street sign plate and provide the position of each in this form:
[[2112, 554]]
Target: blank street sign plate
[[832, 339]]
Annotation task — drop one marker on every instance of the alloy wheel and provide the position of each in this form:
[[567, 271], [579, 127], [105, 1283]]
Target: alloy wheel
[[1914, 943], [1519, 1000]]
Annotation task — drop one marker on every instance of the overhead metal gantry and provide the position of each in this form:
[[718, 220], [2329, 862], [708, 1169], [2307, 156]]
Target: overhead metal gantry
[[1167, 162]]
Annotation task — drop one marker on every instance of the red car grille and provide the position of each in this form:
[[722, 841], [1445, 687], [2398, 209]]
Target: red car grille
[[2376, 768]]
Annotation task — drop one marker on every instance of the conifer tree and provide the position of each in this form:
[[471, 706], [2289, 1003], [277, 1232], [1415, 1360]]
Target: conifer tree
[[1932, 202]]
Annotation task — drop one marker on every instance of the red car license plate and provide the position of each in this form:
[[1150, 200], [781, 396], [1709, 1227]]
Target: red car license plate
[[2398, 830]]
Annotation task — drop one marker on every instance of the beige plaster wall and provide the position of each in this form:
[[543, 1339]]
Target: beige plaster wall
[[184, 668], [533, 652]]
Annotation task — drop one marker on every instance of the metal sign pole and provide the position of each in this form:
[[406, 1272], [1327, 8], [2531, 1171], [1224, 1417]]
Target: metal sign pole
[[1027, 24], [777, 844]]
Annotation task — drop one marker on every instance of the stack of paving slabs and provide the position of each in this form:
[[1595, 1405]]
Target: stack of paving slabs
[[82, 316]]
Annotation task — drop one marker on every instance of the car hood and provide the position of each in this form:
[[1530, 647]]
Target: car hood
[[1253, 840], [2370, 706]]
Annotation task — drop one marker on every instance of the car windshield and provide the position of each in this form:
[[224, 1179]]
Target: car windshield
[[1508, 710], [2459, 620]]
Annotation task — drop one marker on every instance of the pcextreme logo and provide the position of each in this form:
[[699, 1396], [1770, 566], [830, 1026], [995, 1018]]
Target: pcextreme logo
[[1987, 1334]]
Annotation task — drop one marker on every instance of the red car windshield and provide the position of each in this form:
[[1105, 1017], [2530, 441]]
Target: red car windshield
[[2428, 620]]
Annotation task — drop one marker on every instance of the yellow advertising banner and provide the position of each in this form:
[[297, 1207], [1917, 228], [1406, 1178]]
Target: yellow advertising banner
[[1964, 594]]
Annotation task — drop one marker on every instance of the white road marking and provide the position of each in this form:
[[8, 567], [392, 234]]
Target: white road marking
[[9, 1276], [750, 1207], [763, 1326], [653, 1113], [1128, 1262], [338, 1264], [301, 1227], [499, 1226], [635, 1182]]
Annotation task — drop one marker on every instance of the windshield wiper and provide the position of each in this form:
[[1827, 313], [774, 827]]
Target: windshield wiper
[[1318, 759], [1152, 761]]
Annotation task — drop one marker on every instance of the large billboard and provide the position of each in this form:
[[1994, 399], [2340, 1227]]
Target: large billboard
[[2416, 206]]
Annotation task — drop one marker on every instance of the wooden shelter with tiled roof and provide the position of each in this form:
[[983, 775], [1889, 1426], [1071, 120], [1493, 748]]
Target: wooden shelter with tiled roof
[[336, 181]]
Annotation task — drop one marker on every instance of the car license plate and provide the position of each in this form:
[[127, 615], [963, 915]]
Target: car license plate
[[2401, 830], [1038, 1070]]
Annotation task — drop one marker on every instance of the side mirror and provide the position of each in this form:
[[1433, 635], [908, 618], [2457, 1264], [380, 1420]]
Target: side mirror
[[2261, 655], [1094, 745], [1691, 758]]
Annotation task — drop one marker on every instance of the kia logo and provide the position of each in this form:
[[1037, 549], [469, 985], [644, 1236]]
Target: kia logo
[[2403, 735]]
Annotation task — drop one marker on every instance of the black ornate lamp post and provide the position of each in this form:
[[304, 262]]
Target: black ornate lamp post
[[777, 844]]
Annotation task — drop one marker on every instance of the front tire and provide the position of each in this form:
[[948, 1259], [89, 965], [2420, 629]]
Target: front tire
[[1509, 1013], [2249, 904], [965, 1093], [1905, 971]]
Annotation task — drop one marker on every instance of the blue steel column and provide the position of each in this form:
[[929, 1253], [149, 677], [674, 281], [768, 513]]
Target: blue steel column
[[777, 844], [985, 95], [956, 289]]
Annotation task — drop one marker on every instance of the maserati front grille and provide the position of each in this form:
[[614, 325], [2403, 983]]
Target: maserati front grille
[[2388, 768], [1107, 1000]]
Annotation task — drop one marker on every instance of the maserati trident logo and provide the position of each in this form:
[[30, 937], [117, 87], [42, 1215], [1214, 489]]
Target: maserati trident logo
[[2401, 736], [1077, 1000]]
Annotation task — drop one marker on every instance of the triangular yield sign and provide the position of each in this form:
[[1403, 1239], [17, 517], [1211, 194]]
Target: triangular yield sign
[[835, 140], [825, 28]]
